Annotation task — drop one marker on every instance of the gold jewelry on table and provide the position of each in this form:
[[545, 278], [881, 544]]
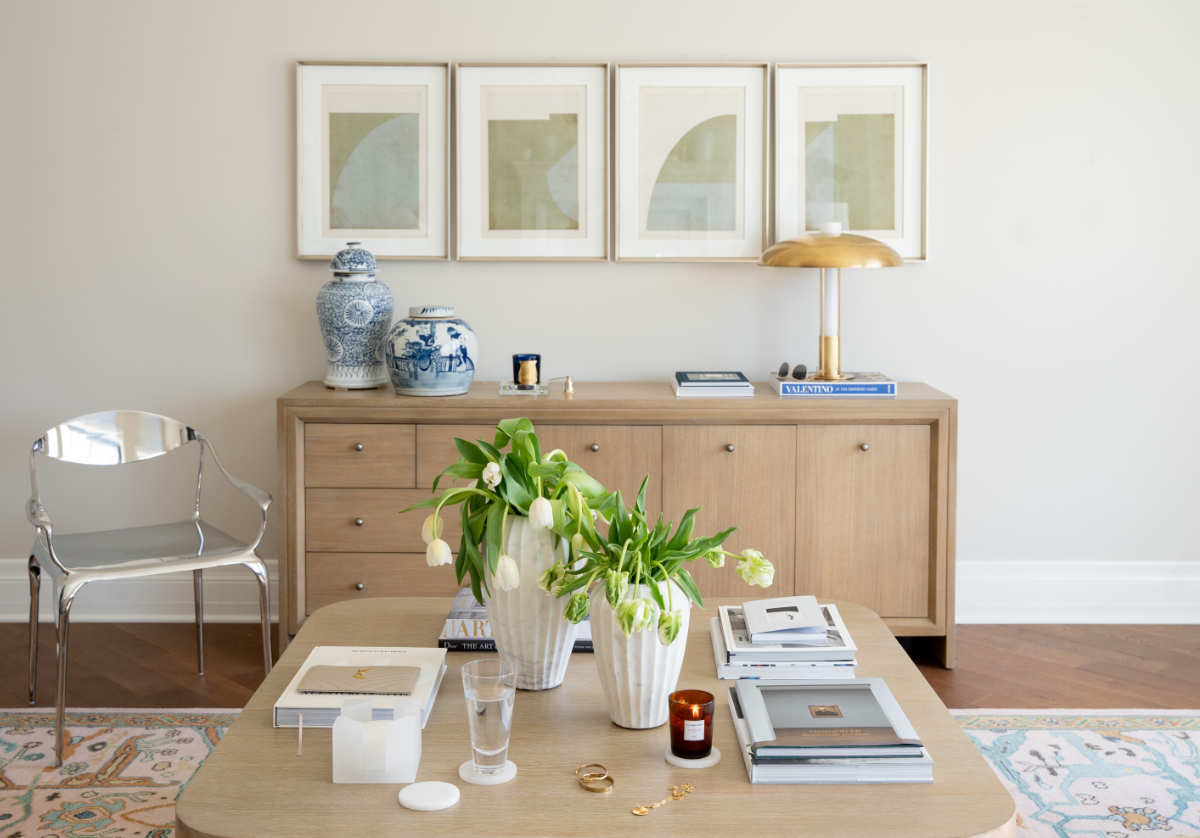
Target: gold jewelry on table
[[603, 785], [594, 777], [593, 770], [678, 792]]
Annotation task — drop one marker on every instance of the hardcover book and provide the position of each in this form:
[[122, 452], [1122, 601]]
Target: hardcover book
[[711, 378], [793, 618], [321, 709], [862, 385], [783, 670], [467, 628], [839, 645]]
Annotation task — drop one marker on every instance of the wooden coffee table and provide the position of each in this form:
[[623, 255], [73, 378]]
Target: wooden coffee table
[[255, 785]]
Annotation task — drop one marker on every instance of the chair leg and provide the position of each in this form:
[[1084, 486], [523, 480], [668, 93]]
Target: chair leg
[[35, 592], [198, 586], [65, 597], [259, 569]]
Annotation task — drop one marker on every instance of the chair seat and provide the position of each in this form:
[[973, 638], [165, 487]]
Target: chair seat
[[143, 548]]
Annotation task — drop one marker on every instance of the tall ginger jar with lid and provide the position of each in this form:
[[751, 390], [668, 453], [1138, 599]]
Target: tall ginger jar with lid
[[354, 311]]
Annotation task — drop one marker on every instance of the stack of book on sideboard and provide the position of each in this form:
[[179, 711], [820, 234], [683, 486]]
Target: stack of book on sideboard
[[785, 637], [826, 731]]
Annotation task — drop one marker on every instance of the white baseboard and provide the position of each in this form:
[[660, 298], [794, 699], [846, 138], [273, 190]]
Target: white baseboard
[[230, 596], [1078, 592], [988, 592]]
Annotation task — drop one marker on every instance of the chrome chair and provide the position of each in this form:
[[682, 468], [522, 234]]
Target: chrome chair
[[114, 438]]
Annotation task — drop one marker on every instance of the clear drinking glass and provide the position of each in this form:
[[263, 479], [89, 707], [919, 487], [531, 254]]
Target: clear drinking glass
[[490, 686]]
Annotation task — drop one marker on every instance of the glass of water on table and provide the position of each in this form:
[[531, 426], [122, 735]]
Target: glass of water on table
[[490, 688]]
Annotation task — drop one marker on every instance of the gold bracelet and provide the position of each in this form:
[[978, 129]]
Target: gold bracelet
[[591, 770]]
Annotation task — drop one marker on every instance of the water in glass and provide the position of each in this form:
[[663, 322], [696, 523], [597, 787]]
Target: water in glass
[[490, 689]]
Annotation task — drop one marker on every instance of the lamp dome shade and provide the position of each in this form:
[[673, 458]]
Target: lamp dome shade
[[820, 250]]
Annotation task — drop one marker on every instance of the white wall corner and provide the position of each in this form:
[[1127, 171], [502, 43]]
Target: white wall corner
[[1024, 591], [230, 596]]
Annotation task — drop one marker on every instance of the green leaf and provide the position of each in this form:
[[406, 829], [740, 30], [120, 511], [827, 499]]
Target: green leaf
[[656, 594], [685, 581], [470, 471], [640, 504], [492, 533], [492, 452], [470, 451], [686, 524], [515, 486]]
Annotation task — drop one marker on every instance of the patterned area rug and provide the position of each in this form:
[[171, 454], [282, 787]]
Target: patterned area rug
[[120, 775], [1104, 773], [1109, 774]]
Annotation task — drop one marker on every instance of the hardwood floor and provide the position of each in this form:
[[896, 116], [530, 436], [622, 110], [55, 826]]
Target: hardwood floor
[[154, 665]]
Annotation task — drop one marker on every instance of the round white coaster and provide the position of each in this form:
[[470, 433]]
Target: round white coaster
[[468, 772], [703, 762], [429, 796]]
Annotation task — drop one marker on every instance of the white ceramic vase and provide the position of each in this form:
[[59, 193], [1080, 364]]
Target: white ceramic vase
[[637, 672], [527, 623]]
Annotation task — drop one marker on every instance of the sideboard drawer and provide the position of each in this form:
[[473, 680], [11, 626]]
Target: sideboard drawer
[[360, 455], [619, 456], [333, 577], [369, 521]]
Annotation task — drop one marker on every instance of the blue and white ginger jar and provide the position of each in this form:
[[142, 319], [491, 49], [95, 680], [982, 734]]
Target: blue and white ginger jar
[[431, 353], [354, 312]]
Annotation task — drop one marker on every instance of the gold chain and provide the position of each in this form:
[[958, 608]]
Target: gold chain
[[678, 792]]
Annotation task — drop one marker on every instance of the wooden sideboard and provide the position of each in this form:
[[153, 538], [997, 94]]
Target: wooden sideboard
[[852, 499]]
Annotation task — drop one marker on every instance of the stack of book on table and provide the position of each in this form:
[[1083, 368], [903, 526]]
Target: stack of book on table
[[785, 637], [467, 628], [710, 384], [826, 731]]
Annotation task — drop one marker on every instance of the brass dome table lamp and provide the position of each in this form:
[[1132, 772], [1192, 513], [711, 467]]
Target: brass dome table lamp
[[829, 249]]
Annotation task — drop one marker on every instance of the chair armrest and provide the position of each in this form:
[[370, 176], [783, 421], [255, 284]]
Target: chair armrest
[[40, 519], [260, 496]]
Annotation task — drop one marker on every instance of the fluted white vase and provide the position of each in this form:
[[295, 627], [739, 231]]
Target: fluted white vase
[[637, 672], [527, 623]]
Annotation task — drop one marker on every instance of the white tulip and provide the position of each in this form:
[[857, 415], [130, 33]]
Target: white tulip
[[508, 576], [491, 475], [541, 514], [438, 553], [431, 528]]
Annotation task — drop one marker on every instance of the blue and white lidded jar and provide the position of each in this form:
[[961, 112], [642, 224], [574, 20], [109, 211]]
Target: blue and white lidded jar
[[431, 353], [354, 312]]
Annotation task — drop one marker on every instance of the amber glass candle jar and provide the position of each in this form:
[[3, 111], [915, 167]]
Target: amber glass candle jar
[[691, 723]]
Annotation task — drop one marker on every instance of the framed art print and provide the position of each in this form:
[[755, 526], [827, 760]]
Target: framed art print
[[691, 172], [532, 161], [851, 144], [373, 159]]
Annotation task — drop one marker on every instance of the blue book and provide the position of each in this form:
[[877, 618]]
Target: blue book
[[863, 385]]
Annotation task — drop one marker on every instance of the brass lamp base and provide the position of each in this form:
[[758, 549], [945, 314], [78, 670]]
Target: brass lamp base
[[830, 365]]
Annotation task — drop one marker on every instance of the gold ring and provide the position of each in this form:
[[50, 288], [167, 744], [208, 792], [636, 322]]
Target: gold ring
[[595, 771], [603, 785]]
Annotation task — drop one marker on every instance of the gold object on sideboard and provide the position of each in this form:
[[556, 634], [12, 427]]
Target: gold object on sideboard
[[758, 461], [830, 249]]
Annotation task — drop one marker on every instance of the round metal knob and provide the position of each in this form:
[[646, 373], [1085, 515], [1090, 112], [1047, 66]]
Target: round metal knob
[[358, 522], [731, 448], [864, 446], [595, 446], [358, 446], [359, 586]]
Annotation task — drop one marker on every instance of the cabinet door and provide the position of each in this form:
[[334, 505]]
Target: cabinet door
[[743, 476], [863, 524], [619, 456]]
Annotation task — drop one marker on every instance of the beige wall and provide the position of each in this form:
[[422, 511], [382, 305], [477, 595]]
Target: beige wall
[[147, 226]]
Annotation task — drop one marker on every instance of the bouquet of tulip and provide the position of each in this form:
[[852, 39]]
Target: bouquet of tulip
[[633, 555], [551, 491]]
